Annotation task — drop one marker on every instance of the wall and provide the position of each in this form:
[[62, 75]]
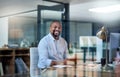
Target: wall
[[21, 27], [3, 31], [113, 28], [78, 29]]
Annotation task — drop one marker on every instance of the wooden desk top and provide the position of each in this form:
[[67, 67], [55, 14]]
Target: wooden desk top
[[87, 70]]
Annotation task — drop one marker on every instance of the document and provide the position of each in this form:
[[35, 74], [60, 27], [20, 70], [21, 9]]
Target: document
[[61, 66]]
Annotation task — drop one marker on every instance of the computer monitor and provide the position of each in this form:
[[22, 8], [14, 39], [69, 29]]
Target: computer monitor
[[114, 43]]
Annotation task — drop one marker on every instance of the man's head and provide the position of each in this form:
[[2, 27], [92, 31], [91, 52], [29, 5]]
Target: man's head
[[55, 29]]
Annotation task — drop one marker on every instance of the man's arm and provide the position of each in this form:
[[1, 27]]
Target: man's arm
[[43, 55], [53, 63]]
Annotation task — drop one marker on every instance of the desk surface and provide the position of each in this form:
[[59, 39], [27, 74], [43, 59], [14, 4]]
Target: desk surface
[[88, 70]]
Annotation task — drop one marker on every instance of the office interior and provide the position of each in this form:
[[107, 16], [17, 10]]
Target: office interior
[[24, 26]]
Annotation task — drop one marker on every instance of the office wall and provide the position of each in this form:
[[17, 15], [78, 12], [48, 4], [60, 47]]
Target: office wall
[[112, 28], [3, 31], [78, 29], [22, 28]]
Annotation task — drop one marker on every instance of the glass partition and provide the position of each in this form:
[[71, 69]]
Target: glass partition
[[46, 14], [30, 27], [22, 29]]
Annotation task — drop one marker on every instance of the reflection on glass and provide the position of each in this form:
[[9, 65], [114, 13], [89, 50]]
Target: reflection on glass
[[47, 16], [22, 26]]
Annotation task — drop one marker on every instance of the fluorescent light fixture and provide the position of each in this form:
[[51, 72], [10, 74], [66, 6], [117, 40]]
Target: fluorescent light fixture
[[108, 9]]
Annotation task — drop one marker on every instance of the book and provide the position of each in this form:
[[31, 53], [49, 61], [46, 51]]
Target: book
[[1, 69], [21, 66]]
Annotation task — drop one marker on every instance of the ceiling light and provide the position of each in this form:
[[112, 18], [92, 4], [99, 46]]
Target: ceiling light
[[108, 9]]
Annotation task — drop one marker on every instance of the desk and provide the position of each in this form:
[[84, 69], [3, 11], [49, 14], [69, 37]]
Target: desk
[[84, 52], [92, 50], [17, 75], [78, 71]]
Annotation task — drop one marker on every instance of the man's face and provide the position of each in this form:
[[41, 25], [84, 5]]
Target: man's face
[[55, 29]]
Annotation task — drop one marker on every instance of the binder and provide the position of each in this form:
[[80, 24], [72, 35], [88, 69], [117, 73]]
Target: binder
[[21, 66], [1, 69]]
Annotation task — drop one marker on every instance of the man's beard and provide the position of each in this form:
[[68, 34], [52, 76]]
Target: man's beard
[[56, 35]]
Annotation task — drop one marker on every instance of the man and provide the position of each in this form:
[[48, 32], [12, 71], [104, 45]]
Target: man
[[52, 48]]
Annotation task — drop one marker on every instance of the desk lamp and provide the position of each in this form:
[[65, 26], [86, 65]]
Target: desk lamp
[[102, 34]]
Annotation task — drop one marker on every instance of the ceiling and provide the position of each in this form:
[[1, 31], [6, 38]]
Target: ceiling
[[78, 9]]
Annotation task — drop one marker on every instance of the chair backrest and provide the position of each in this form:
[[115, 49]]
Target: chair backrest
[[34, 70]]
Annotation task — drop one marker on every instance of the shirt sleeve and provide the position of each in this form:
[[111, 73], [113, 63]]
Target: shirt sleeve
[[43, 62]]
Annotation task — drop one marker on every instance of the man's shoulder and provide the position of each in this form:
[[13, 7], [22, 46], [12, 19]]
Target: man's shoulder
[[45, 38], [43, 41]]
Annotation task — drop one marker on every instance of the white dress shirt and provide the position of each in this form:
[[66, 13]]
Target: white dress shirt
[[50, 49]]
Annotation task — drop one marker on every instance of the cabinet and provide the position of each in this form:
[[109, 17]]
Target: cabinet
[[8, 56]]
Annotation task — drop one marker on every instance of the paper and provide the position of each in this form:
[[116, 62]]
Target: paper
[[61, 66]]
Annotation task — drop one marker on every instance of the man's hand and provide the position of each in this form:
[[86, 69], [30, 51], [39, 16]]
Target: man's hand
[[65, 62], [58, 62], [53, 63]]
